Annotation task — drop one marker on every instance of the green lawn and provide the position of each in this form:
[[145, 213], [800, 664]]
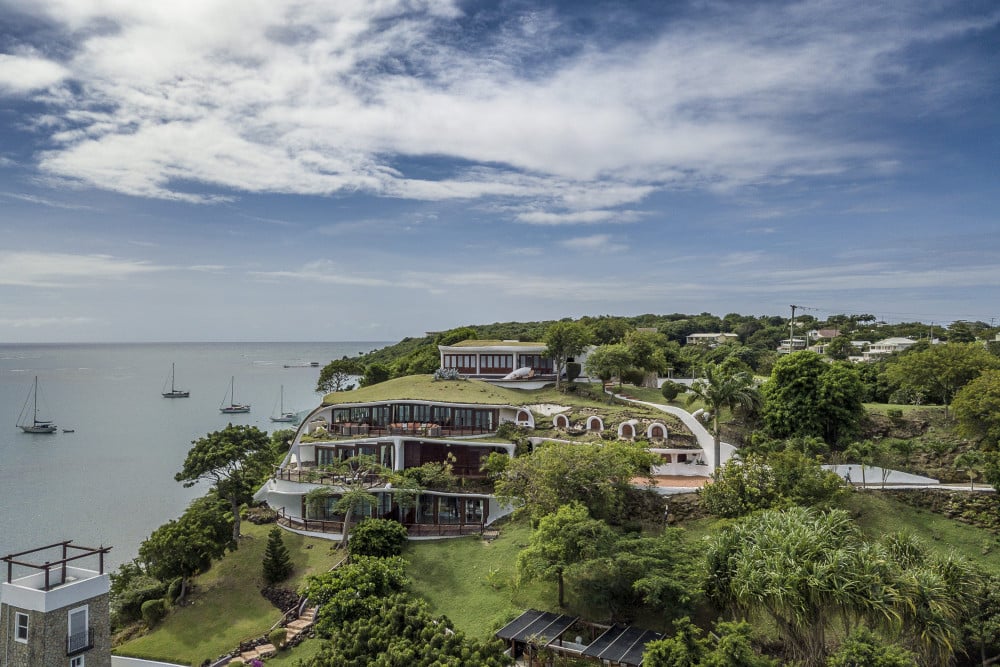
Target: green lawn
[[474, 583], [226, 606]]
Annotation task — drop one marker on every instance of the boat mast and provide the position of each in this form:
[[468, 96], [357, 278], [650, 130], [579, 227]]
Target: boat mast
[[34, 417], [171, 378]]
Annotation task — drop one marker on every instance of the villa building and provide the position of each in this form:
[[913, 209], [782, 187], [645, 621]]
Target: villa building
[[398, 434], [497, 359], [393, 433]]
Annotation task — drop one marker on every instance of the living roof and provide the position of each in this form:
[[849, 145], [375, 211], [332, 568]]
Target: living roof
[[426, 388], [495, 343]]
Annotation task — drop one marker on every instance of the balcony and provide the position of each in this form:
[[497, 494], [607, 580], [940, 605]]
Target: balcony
[[80, 642]]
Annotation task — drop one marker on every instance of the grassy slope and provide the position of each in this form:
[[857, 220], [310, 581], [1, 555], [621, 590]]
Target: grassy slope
[[226, 606], [473, 582]]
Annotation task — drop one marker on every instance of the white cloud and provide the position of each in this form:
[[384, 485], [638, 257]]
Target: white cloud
[[34, 199], [328, 272], [320, 98], [594, 243], [23, 74], [38, 269]]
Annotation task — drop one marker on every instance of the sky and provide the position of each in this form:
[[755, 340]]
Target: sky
[[223, 170]]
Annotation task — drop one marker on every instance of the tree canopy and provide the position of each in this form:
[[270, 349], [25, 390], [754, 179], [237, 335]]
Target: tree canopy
[[806, 396], [564, 340], [597, 475], [337, 375], [940, 371], [977, 408], [235, 459]]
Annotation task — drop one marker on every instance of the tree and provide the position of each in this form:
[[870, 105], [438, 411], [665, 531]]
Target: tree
[[608, 361], [400, 630], [864, 452], [646, 349], [729, 645], [977, 408], [277, 563], [562, 539], [803, 571], [719, 389], [805, 396], [235, 459], [839, 348], [564, 340], [185, 546], [381, 538], [353, 590], [942, 370], [971, 462], [597, 475], [374, 374], [337, 375]]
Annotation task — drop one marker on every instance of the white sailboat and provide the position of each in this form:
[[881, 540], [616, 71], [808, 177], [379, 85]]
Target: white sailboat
[[174, 391], [233, 407], [282, 416], [34, 425]]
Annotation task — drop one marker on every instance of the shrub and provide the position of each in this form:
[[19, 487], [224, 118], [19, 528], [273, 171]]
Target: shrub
[[175, 588], [447, 374], [278, 636], [381, 538], [672, 390], [153, 611], [895, 415], [127, 604]]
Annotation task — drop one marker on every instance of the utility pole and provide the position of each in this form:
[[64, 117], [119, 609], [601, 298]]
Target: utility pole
[[791, 331]]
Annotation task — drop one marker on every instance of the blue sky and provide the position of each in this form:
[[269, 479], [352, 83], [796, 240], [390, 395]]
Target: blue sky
[[372, 169]]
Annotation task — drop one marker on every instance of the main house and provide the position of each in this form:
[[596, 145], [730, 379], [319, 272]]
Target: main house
[[406, 423], [399, 432]]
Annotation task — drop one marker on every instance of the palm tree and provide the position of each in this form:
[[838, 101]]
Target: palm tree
[[719, 389]]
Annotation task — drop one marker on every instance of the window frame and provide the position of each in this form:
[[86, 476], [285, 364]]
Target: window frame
[[18, 626]]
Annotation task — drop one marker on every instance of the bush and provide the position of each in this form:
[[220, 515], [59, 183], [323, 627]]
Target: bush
[[278, 636], [175, 588], [127, 604], [447, 374], [154, 611], [672, 390], [380, 538]]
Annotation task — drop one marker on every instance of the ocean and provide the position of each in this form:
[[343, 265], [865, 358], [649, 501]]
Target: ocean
[[111, 481]]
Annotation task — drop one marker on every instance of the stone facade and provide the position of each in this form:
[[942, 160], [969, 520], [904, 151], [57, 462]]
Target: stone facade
[[47, 635]]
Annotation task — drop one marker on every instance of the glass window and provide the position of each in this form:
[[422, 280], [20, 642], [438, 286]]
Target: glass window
[[76, 662], [77, 640], [448, 510], [21, 627], [473, 510]]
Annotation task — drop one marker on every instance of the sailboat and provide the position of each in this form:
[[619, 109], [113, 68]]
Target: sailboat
[[233, 406], [35, 425], [282, 415], [174, 391]]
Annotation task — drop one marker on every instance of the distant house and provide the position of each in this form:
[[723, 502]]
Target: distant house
[[793, 345], [711, 339], [887, 346], [823, 334]]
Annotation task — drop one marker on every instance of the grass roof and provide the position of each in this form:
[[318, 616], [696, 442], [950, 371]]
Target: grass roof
[[426, 388]]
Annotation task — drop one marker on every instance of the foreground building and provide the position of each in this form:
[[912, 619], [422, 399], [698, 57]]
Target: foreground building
[[53, 611]]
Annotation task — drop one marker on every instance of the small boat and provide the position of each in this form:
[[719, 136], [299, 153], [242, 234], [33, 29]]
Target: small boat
[[282, 416], [69, 430], [233, 407], [35, 425], [174, 391]]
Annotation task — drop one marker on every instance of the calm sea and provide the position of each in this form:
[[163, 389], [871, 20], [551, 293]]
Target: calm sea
[[111, 481]]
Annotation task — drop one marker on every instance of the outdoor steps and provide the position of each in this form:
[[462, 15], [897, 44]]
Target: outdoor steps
[[301, 624], [261, 652]]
